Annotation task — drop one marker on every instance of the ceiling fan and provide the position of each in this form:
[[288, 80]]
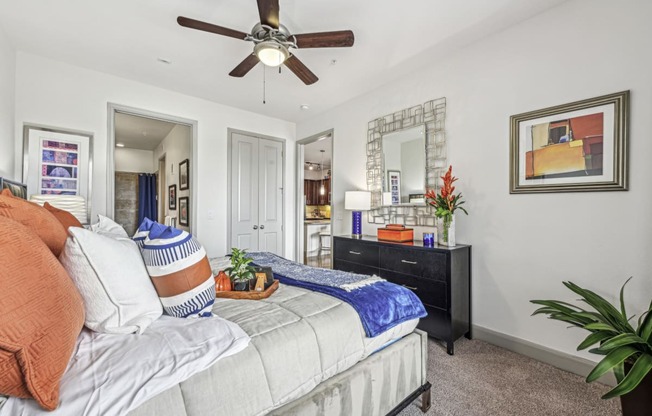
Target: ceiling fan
[[273, 41]]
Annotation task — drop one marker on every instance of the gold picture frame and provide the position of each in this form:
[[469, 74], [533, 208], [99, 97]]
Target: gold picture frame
[[575, 147]]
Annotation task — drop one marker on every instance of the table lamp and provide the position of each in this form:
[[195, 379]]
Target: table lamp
[[357, 201]]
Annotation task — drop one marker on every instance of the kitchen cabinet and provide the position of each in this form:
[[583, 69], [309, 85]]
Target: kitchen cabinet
[[311, 190]]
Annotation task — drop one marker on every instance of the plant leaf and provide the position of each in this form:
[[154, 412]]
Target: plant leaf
[[599, 326], [619, 372], [620, 341], [639, 370], [611, 314], [593, 338], [622, 298], [612, 359], [645, 328]]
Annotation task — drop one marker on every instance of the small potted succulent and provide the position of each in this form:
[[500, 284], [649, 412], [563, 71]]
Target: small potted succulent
[[240, 271], [627, 350]]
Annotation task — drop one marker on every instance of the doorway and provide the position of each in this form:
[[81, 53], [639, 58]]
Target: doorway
[[256, 180], [146, 151], [314, 204]]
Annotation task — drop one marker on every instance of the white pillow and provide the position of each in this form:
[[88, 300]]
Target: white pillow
[[110, 274], [106, 226]]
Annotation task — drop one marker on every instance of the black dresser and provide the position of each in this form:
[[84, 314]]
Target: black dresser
[[439, 276]]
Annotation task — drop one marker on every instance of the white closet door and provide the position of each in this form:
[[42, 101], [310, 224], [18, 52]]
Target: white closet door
[[270, 191], [244, 192]]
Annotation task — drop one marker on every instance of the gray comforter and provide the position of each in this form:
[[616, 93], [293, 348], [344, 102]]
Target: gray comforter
[[298, 339]]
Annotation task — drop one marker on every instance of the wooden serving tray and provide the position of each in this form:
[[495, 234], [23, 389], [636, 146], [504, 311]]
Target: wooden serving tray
[[251, 295]]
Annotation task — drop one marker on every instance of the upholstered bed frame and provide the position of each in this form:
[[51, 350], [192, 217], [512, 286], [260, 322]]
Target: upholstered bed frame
[[16, 188]]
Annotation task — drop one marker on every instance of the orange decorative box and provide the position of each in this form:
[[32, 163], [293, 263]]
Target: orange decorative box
[[396, 232]]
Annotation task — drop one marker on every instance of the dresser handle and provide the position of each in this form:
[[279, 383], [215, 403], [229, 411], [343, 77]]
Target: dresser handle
[[357, 253], [410, 287], [408, 262]]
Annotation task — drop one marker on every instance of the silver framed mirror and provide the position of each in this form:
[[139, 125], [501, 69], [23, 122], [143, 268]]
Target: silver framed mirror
[[398, 175]]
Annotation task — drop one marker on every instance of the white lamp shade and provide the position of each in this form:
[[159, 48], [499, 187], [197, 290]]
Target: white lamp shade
[[357, 200]]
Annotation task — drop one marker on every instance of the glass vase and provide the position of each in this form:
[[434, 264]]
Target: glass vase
[[446, 230]]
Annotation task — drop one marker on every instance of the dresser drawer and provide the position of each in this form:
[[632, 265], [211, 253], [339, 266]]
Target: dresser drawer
[[426, 264], [355, 252], [347, 266], [432, 293]]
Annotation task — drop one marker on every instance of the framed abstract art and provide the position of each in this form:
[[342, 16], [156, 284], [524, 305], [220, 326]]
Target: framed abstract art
[[580, 146]]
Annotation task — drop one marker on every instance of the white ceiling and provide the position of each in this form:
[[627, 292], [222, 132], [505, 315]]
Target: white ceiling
[[312, 151], [140, 132], [125, 38]]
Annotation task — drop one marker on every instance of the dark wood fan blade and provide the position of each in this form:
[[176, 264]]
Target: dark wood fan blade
[[339, 39], [300, 70], [209, 27], [245, 66], [268, 11]]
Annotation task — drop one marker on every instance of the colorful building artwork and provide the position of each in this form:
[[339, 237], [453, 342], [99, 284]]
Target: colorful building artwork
[[566, 148]]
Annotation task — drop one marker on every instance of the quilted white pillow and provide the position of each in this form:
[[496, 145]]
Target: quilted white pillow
[[110, 274]]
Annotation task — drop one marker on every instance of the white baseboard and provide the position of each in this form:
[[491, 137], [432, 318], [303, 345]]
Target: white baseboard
[[561, 360]]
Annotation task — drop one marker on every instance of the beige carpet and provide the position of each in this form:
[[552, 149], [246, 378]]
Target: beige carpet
[[482, 379]]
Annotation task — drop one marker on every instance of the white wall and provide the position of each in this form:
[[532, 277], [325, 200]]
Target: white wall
[[7, 91], [134, 160], [60, 95], [525, 245], [176, 147]]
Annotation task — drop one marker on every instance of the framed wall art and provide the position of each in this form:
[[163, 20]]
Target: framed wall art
[[394, 185], [184, 175], [184, 211], [57, 162], [172, 197], [580, 146]]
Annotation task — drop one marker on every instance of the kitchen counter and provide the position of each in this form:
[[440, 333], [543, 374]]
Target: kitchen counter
[[317, 221]]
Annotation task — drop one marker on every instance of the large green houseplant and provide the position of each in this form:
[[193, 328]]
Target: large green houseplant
[[626, 350]]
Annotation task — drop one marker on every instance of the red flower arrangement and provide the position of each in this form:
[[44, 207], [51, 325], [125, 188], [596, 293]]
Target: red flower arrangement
[[446, 202]]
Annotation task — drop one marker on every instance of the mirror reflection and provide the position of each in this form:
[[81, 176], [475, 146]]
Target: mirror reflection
[[404, 155]]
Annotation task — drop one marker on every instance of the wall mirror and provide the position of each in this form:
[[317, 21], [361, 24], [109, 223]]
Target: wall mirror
[[404, 157], [397, 176]]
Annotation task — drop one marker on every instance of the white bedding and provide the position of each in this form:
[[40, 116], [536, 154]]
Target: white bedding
[[100, 379]]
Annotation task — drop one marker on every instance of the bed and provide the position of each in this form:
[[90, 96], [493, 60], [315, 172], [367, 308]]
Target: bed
[[308, 354]]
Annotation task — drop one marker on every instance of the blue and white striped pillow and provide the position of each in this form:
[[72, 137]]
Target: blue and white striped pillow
[[179, 269]]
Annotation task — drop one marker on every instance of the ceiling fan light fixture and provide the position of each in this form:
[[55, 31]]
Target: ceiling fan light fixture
[[271, 53]]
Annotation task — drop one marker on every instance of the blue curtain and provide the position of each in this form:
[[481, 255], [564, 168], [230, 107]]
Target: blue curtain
[[147, 197]]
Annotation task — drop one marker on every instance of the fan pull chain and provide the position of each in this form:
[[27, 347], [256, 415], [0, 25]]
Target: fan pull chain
[[264, 83]]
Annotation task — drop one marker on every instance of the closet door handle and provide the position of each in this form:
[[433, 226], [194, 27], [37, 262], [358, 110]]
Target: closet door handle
[[410, 287], [255, 227], [262, 227], [357, 253], [408, 262]]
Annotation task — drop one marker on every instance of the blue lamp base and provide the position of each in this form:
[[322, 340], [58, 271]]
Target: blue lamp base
[[356, 231]]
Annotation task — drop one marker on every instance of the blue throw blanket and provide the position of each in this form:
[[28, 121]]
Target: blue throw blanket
[[380, 304]]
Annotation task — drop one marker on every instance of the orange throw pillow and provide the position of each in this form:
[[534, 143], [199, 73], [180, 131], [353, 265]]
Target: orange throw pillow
[[41, 316], [65, 218], [36, 218]]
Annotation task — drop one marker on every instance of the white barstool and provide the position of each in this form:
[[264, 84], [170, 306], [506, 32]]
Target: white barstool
[[324, 245]]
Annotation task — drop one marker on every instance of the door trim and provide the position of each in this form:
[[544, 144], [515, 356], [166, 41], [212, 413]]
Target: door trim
[[300, 208], [229, 134], [114, 108]]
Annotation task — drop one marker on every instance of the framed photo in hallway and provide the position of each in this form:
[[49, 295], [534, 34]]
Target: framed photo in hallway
[[184, 211], [184, 175], [172, 197], [580, 146]]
